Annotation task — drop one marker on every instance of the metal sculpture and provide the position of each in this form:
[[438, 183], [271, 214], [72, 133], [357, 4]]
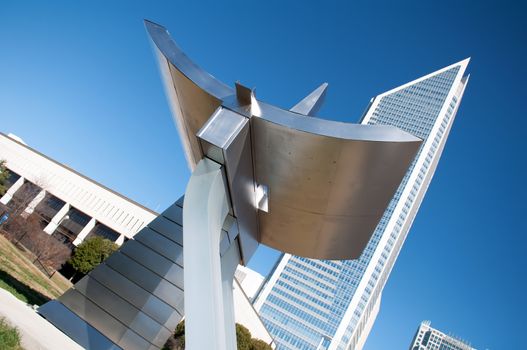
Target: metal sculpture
[[302, 185], [261, 174]]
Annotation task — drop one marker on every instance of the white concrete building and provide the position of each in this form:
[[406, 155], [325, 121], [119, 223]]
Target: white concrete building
[[250, 280], [73, 207]]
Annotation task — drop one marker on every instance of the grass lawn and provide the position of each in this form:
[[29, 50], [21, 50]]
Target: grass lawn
[[24, 280], [9, 336], [13, 290]]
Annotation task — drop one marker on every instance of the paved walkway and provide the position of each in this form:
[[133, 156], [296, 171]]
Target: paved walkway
[[37, 333]]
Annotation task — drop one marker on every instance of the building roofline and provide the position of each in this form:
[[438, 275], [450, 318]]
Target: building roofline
[[462, 65], [79, 174]]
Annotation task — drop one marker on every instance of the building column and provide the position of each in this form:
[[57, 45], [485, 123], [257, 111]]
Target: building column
[[33, 204], [8, 195], [57, 219], [84, 232], [229, 263], [120, 240]]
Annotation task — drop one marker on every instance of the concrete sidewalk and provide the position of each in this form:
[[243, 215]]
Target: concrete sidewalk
[[36, 332]]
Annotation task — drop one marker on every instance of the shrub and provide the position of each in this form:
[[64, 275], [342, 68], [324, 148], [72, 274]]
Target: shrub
[[243, 337], [9, 336], [177, 340], [257, 344], [4, 175], [91, 253]]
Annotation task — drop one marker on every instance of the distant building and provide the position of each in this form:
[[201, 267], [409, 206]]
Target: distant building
[[428, 338], [250, 280]]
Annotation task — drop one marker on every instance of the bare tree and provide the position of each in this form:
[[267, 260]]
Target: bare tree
[[14, 226], [49, 252], [23, 197], [25, 229]]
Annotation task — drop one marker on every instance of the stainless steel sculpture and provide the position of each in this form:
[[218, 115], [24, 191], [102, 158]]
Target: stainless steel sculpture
[[261, 174], [302, 185], [328, 182]]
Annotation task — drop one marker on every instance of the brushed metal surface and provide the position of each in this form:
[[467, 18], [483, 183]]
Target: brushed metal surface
[[240, 178], [326, 195], [137, 296], [230, 226], [328, 182], [193, 93], [174, 213], [311, 104], [75, 327], [155, 262], [123, 311], [94, 315], [327, 185], [167, 228], [222, 128], [161, 245], [132, 341], [148, 280], [209, 319], [229, 133]]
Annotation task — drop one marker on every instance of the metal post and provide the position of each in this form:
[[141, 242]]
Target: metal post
[[229, 263], [209, 317]]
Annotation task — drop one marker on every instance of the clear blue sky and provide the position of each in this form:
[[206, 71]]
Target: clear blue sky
[[79, 82]]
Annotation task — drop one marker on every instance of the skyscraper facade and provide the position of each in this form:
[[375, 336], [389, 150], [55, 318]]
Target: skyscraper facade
[[322, 304], [428, 338]]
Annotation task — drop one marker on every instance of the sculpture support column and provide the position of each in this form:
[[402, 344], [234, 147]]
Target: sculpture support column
[[209, 322], [229, 263]]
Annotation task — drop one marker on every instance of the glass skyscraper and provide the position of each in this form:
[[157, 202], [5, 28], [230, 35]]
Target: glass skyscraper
[[323, 304]]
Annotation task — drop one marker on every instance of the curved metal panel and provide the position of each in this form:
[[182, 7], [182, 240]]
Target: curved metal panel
[[326, 193], [328, 182], [334, 129], [193, 93], [178, 59]]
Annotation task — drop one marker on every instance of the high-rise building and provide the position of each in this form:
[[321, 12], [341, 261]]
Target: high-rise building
[[428, 338], [321, 304]]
